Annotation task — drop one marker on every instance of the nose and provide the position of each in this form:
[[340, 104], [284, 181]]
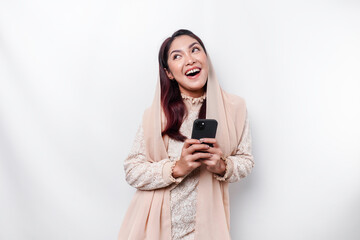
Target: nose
[[190, 60]]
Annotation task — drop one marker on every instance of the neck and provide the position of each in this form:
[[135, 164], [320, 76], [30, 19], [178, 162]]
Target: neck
[[194, 94]]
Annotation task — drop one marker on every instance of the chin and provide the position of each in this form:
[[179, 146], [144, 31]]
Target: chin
[[197, 87], [193, 85], [198, 84]]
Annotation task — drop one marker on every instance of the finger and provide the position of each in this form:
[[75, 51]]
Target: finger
[[212, 150], [208, 140], [195, 164], [213, 142], [189, 142], [200, 156], [197, 147], [208, 162]]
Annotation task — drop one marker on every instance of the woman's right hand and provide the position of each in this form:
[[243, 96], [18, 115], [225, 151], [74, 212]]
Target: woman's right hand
[[190, 156]]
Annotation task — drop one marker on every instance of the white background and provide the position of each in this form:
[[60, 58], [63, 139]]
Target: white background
[[75, 77]]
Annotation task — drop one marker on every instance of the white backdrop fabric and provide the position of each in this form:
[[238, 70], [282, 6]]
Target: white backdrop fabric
[[76, 76]]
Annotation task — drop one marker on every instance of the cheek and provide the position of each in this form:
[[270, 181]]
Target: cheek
[[176, 69], [206, 66], [204, 60]]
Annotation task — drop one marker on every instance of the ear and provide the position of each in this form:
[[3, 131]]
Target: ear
[[169, 74]]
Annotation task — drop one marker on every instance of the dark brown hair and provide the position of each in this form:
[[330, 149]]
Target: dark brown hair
[[171, 100]]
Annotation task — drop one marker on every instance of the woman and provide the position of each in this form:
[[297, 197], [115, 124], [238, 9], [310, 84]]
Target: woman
[[183, 183]]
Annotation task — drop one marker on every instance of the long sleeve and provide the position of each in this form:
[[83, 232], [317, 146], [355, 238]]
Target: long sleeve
[[239, 165], [145, 175]]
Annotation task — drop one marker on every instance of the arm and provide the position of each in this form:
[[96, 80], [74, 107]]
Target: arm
[[145, 175], [239, 165]]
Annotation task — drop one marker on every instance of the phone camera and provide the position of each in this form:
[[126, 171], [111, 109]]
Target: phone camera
[[200, 125]]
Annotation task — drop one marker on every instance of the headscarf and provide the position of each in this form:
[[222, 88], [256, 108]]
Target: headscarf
[[149, 216]]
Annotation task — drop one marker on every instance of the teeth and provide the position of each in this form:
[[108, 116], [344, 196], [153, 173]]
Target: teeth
[[193, 71]]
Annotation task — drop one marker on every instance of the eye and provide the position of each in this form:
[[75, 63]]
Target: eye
[[176, 56], [195, 49]]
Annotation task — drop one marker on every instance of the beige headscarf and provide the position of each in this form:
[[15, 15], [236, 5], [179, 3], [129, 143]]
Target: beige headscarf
[[148, 216]]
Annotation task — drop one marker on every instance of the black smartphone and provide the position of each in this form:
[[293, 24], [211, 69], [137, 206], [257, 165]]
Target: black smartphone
[[204, 128]]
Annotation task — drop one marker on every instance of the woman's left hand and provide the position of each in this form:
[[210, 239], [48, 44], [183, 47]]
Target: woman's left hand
[[214, 164]]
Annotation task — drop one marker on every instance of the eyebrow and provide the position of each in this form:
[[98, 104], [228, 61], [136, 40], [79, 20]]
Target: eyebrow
[[180, 50]]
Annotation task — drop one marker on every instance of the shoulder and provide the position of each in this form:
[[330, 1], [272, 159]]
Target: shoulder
[[149, 116], [236, 107], [234, 101]]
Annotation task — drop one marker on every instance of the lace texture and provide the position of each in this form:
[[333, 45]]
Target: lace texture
[[139, 172], [183, 196]]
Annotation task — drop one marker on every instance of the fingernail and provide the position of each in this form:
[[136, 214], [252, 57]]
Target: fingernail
[[201, 140]]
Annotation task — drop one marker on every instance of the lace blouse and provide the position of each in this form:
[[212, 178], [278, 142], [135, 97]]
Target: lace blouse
[[145, 175]]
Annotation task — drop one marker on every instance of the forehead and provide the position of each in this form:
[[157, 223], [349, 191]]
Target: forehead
[[182, 43]]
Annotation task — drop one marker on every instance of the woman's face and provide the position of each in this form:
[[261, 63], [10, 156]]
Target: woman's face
[[188, 65]]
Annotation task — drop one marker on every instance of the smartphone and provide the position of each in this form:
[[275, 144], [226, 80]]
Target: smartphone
[[204, 128]]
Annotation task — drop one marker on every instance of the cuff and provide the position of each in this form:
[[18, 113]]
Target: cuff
[[167, 173], [228, 171]]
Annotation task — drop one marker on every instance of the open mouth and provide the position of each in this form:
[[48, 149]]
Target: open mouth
[[193, 73]]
